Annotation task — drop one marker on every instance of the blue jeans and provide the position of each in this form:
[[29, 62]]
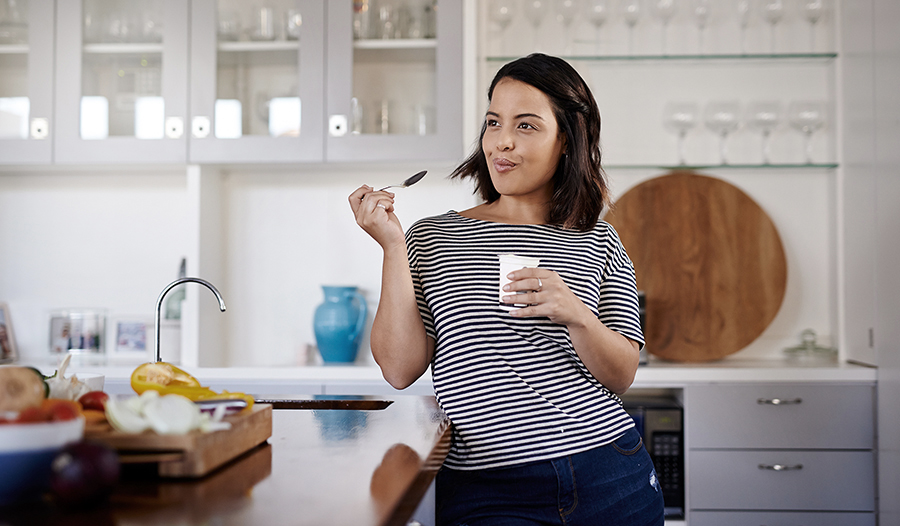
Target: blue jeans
[[612, 485]]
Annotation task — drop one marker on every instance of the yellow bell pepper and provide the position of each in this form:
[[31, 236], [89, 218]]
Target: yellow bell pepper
[[165, 378]]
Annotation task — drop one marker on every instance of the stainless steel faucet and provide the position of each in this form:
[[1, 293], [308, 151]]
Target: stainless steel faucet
[[170, 286]]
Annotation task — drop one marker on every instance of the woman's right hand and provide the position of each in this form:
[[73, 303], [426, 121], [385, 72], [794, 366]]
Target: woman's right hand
[[374, 212]]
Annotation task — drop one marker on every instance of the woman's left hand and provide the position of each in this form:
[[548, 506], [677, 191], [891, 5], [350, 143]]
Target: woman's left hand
[[546, 295]]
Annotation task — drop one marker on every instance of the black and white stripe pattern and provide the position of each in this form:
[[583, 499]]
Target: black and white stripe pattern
[[515, 389]]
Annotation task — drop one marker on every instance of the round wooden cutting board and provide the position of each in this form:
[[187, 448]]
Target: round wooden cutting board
[[709, 261]]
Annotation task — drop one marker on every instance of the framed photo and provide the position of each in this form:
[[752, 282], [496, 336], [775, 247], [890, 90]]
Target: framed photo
[[133, 336], [8, 352]]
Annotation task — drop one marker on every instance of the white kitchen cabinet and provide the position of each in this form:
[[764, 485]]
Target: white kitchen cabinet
[[121, 82], [758, 448], [26, 82]]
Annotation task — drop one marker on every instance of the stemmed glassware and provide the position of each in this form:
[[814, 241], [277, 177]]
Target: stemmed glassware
[[631, 12], [566, 11], [812, 10], [743, 11], [664, 10], [535, 11], [701, 17], [765, 117], [807, 117], [722, 117], [773, 11], [681, 117], [501, 12], [597, 13]]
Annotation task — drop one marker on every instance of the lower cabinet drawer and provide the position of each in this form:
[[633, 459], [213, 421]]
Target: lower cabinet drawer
[[779, 518], [781, 480]]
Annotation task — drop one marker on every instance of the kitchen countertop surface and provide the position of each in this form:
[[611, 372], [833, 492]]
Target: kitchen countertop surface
[[265, 380], [322, 466]]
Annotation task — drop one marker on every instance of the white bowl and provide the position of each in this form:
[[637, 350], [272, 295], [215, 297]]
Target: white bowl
[[26, 452]]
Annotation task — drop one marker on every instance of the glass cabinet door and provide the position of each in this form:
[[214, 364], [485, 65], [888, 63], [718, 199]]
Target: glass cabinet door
[[394, 79], [26, 81], [257, 80], [121, 84]]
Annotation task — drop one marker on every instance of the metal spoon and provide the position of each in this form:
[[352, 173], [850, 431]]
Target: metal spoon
[[409, 182]]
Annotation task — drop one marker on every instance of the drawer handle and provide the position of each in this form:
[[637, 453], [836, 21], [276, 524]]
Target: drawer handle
[[780, 467], [778, 401]]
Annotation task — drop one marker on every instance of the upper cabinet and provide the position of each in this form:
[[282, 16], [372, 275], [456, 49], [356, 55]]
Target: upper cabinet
[[26, 81], [229, 81], [394, 79]]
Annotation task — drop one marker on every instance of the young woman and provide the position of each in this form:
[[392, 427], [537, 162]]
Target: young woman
[[539, 433]]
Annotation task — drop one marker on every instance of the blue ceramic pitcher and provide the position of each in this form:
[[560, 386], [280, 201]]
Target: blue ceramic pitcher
[[339, 322]]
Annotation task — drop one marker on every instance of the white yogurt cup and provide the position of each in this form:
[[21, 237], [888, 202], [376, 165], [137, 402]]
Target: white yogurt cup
[[511, 263]]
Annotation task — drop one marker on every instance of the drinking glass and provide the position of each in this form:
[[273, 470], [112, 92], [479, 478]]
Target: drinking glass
[[773, 11], [701, 17], [566, 11], [535, 11], [631, 12], [597, 13], [664, 10], [812, 10], [807, 117], [681, 117], [722, 117], [765, 117], [743, 11], [501, 12]]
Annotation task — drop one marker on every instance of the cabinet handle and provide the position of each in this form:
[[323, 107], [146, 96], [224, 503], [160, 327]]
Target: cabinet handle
[[780, 467], [778, 401]]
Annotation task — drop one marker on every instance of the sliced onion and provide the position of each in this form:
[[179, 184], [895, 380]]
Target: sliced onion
[[124, 418], [172, 414]]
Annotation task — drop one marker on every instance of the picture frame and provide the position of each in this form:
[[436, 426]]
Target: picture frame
[[133, 336], [8, 351]]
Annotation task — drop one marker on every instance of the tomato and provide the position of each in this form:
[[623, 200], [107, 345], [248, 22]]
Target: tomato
[[94, 400], [32, 414], [58, 409]]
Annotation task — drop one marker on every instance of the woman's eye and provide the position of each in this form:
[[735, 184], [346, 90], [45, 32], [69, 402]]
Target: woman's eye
[[492, 122], [526, 126]]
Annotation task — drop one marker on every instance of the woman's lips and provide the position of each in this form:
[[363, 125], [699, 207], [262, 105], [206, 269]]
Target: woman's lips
[[503, 165]]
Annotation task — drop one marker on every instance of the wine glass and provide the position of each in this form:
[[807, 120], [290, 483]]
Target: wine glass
[[664, 10], [631, 12], [743, 11], [535, 11], [680, 117], [765, 117], [597, 13], [812, 10], [501, 12], [566, 11], [773, 11], [701, 17], [807, 117], [722, 117]]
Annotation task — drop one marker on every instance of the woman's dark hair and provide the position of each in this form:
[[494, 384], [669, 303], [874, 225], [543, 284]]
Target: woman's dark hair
[[580, 190]]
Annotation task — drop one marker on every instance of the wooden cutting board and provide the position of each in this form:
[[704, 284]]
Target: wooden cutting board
[[194, 454], [709, 260]]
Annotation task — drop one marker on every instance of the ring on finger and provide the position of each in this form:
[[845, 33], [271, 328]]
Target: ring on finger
[[379, 205], [540, 285]]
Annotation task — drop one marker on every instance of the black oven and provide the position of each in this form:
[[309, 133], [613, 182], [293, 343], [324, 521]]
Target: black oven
[[659, 421]]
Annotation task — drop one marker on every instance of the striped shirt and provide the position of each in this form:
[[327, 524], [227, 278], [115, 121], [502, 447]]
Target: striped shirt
[[514, 388]]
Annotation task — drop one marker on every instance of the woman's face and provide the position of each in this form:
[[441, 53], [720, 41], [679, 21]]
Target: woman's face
[[521, 142]]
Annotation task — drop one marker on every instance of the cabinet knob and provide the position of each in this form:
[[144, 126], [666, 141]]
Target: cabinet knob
[[337, 125], [40, 128], [174, 127], [200, 127], [778, 401], [780, 467]]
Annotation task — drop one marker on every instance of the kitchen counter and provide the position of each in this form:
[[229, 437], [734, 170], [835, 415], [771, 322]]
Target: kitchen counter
[[323, 466], [362, 379]]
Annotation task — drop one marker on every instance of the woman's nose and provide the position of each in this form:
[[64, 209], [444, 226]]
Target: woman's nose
[[505, 141]]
